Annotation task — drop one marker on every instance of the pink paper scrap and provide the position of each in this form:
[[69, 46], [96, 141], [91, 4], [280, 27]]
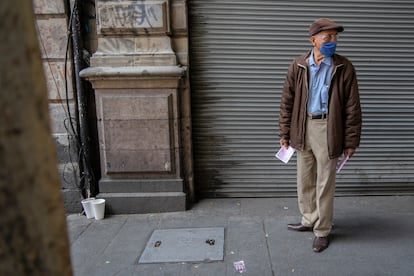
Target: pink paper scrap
[[284, 154], [341, 163], [239, 266]]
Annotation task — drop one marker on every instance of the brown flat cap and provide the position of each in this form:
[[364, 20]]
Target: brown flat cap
[[323, 24]]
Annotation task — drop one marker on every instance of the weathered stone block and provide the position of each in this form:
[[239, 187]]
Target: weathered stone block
[[65, 148], [158, 60], [143, 17], [69, 175], [49, 6], [55, 78], [179, 17], [60, 117], [137, 161], [53, 37], [119, 45], [137, 135], [180, 47], [72, 200], [134, 51], [155, 107], [141, 149]]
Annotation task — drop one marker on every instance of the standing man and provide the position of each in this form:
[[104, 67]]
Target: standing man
[[320, 116]]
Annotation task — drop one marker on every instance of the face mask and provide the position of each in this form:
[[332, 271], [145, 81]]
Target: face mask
[[328, 49]]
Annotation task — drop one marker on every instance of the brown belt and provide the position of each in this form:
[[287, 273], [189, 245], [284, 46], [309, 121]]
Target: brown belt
[[317, 116]]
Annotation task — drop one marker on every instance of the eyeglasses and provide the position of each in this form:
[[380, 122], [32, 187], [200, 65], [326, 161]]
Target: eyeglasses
[[328, 37]]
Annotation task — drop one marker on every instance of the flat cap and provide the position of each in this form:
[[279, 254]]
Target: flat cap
[[323, 24]]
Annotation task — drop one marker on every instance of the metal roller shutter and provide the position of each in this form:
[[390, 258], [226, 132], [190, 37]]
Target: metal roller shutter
[[240, 51]]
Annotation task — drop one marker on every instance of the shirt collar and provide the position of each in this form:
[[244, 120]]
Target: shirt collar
[[326, 61]]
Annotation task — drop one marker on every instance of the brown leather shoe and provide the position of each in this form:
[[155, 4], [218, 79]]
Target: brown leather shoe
[[320, 244], [299, 227]]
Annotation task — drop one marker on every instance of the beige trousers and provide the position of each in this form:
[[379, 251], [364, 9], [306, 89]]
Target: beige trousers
[[316, 175]]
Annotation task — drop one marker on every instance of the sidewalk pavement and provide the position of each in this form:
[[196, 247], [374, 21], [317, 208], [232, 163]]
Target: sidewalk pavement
[[371, 236]]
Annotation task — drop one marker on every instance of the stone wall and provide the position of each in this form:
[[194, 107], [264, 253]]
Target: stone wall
[[165, 45], [51, 23]]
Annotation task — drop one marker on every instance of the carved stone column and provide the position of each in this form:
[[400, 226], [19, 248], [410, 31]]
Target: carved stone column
[[136, 79]]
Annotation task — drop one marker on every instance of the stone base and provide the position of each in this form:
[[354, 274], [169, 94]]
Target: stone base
[[142, 196], [142, 203]]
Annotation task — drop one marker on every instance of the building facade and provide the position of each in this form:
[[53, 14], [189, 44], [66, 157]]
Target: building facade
[[182, 97]]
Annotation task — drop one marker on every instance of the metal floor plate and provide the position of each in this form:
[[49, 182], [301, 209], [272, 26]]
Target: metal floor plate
[[184, 245]]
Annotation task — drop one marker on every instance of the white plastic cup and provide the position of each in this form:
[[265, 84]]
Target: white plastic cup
[[99, 208], [87, 207]]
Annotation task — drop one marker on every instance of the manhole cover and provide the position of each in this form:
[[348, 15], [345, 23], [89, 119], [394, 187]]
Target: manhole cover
[[184, 245]]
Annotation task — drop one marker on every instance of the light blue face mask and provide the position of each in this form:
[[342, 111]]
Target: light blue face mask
[[328, 49]]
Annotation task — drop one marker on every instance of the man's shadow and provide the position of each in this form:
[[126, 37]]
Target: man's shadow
[[372, 228]]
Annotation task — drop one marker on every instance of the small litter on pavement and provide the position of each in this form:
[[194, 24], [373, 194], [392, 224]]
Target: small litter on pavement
[[239, 266]]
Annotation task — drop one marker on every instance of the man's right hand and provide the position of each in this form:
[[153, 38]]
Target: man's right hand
[[284, 143]]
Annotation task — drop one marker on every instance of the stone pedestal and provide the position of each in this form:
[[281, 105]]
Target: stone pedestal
[[136, 80]]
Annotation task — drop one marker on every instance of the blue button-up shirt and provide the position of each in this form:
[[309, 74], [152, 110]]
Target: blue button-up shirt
[[320, 78]]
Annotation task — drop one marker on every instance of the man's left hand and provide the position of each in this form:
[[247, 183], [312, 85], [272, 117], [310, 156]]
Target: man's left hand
[[349, 152]]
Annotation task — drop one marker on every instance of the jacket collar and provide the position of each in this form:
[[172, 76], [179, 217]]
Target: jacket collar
[[303, 60]]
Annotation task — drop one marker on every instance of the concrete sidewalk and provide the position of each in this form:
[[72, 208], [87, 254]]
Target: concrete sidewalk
[[371, 236]]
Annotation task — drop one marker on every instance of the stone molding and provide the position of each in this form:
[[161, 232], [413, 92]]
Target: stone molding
[[134, 76], [93, 73]]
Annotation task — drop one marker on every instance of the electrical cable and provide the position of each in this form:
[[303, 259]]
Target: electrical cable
[[86, 172], [65, 108]]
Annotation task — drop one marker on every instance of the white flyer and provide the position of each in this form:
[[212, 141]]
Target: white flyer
[[284, 154]]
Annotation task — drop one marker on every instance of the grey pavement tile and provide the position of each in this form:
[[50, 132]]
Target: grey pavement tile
[[107, 269], [269, 207], [76, 225], [168, 269], [193, 221], [126, 246], [217, 207], [286, 248], [90, 245], [204, 269], [152, 220], [246, 241], [375, 204]]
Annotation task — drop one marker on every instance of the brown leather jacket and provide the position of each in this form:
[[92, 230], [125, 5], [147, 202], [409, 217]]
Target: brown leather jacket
[[344, 118]]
